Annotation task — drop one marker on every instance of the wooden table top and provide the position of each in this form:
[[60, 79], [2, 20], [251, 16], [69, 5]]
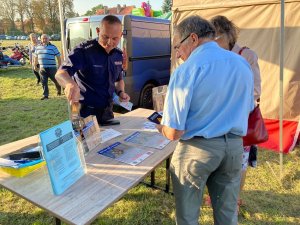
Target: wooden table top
[[105, 182]]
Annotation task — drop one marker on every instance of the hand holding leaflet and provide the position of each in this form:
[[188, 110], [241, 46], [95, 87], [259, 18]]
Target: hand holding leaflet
[[126, 105]]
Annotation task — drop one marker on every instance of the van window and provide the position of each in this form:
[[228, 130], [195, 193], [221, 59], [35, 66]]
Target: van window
[[78, 32], [94, 25]]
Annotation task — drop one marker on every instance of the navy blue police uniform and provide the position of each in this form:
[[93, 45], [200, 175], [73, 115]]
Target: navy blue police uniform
[[95, 71]]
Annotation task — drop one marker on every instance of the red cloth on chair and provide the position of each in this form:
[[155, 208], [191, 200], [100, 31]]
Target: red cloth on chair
[[290, 135]]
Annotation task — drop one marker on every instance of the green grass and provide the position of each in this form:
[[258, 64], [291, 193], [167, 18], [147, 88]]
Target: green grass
[[267, 199]]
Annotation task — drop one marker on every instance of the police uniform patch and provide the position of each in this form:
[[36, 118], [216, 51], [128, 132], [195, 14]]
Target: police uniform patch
[[118, 63]]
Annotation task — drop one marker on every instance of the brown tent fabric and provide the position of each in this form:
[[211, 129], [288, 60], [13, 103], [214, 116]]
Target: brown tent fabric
[[259, 23]]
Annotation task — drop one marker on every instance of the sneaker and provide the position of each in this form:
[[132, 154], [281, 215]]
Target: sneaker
[[44, 97]]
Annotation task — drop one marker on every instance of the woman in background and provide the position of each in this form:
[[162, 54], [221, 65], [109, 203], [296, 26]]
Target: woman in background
[[32, 45], [226, 37]]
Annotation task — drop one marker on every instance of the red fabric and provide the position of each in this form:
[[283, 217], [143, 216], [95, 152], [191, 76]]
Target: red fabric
[[290, 135], [16, 55]]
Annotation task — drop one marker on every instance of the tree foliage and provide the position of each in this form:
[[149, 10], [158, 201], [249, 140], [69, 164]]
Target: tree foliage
[[9, 12], [167, 6], [93, 10], [33, 15]]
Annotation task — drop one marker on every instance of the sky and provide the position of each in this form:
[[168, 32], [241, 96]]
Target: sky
[[81, 6]]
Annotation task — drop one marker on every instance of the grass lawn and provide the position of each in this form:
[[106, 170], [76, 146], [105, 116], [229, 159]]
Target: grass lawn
[[23, 114]]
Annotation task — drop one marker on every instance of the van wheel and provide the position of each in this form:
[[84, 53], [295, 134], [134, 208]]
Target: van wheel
[[146, 97]]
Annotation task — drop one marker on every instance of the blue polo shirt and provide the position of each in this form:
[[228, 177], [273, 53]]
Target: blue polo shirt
[[210, 94], [46, 55], [95, 72]]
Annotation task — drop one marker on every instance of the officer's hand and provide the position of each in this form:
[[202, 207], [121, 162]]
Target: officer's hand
[[124, 97], [72, 92]]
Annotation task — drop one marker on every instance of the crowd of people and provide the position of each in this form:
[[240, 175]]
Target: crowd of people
[[209, 98]]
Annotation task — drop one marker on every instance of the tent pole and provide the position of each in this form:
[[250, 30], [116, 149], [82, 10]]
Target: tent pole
[[63, 42], [62, 30], [281, 88]]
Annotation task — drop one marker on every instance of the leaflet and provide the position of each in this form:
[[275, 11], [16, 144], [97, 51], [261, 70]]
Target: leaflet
[[126, 105], [126, 154], [149, 126], [62, 156], [109, 134], [148, 139]]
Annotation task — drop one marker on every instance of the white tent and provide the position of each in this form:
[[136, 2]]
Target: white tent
[[260, 23]]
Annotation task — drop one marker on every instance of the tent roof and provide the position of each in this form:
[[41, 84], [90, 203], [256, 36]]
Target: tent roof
[[205, 4]]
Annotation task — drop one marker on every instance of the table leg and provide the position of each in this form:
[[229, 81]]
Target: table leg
[[57, 221], [153, 178], [168, 175], [168, 179]]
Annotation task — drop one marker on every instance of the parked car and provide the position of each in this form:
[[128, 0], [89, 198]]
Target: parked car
[[55, 37], [148, 47]]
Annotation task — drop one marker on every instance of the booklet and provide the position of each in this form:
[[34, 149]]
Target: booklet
[[148, 139], [62, 156], [155, 117], [124, 153]]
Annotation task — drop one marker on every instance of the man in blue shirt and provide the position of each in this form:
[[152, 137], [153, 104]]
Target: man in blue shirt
[[93, 72], [45, 55], [207, 105]]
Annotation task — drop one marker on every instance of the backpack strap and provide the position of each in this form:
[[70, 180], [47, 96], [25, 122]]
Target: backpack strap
[[242, 49]]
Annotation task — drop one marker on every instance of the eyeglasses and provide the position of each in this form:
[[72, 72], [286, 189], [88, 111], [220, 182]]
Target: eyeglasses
[[218, 37], [176, 47]]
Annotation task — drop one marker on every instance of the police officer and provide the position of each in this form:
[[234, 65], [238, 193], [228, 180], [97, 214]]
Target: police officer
[[93, 72]]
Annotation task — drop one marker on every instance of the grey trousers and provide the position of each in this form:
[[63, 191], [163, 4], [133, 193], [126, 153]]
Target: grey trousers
[[213, 162]]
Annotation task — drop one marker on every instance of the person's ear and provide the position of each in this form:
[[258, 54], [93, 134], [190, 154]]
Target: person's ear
[[97, 30], [194, 38]]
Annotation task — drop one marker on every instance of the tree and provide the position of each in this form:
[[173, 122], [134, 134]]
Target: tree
[[21, 10], [29, 13], [38, 13], [68, 9], [51, 14], [93, 10], [9, 12], [167, 6]]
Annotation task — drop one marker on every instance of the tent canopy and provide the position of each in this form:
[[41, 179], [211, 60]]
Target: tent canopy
[[259, 23]]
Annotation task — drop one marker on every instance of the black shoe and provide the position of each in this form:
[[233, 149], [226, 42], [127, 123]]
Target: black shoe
[[110, 122], [44, 97], [58, 93], [38, 82]]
